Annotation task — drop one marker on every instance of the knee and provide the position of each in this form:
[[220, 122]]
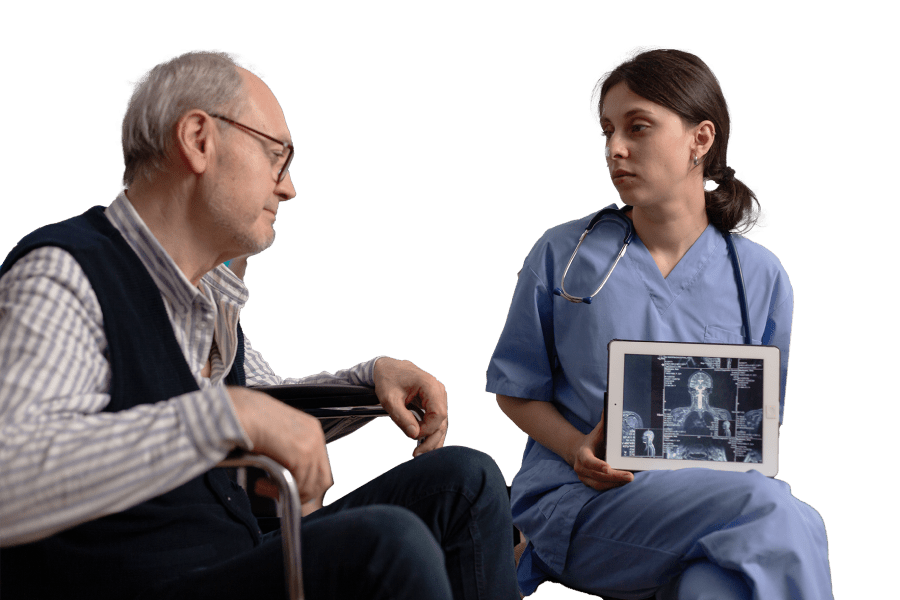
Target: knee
[[472, 467], [477, 475], [754, 495], [755, 492], [702, 580], [776, 493]]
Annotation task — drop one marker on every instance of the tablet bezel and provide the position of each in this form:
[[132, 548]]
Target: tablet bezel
[[613, 405]]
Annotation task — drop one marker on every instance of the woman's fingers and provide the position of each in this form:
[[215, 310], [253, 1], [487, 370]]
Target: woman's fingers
[[601, 486], [593, 471], [606, 480]]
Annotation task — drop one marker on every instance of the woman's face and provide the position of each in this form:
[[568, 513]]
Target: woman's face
[[649, 150]]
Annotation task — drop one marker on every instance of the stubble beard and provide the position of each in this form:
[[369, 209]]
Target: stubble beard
[[249, 244]]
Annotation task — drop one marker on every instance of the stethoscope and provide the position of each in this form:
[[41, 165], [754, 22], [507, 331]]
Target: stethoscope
[[629, 236]]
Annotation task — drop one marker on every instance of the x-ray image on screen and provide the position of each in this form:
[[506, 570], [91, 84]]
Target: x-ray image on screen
[[692, 408], [649, 443]]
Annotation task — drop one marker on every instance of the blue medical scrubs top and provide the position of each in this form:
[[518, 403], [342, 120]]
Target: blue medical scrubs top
[[555, 351]]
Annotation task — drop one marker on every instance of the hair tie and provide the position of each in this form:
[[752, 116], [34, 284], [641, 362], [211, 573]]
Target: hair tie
[[727, 175]]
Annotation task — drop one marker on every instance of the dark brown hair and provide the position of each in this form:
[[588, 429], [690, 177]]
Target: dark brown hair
[[684, 84]]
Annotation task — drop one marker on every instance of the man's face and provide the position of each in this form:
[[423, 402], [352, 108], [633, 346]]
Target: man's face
[[243, 192]]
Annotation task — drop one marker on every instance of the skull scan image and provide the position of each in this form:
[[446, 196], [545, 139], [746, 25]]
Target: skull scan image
[[630, 422], [699, 418], [650, 450]]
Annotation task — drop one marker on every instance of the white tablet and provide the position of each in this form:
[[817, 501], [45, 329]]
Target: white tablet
[[686, 405]]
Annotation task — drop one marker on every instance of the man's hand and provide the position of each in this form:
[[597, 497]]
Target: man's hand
[[399, 385], [287, 435], [591, 470], [268, 489]]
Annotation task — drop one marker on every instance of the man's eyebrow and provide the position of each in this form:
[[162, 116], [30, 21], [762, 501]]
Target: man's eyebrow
[[631, 113]]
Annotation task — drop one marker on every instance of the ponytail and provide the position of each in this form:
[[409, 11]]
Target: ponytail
[[732, 206]]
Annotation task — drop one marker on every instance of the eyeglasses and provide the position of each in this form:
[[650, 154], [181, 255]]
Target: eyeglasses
[[288, 148]]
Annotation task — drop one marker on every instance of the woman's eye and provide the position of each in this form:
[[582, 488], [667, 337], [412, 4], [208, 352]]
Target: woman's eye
[[607, 133], [637, 128]]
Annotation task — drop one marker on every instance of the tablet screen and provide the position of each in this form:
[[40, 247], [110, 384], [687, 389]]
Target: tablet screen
[[705, 408], [686, 405]]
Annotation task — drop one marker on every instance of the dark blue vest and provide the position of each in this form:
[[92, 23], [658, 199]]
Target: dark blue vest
[[205, 520]]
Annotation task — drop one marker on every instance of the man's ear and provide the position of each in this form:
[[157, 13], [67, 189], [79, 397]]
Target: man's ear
[[195, 140]]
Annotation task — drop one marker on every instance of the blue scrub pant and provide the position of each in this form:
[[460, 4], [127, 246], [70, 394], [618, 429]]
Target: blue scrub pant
[[434, 528], [695, 534]]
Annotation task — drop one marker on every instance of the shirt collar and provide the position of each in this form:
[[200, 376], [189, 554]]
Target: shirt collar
[[168, 277]]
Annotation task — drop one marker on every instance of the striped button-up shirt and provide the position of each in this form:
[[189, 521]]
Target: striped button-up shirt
[[63, 460]]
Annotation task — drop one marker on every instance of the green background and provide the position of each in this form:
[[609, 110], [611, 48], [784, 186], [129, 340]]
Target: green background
[[437, 142]]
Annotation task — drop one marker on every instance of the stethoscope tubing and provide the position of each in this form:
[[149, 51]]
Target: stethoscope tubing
[[742, 291], [629, 236]]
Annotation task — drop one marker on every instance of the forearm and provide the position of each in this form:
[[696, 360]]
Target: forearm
[[55, 474], [778, 333], [544, 423], [258, 372]]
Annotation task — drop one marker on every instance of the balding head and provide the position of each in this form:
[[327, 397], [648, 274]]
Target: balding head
[[260, 106], [209, 81]]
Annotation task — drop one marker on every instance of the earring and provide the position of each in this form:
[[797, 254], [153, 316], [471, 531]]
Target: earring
[[696, 161]]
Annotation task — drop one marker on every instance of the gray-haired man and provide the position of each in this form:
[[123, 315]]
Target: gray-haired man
[[122, 374]]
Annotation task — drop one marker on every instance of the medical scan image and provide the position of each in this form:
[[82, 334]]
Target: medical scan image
[[649, 438], [699, 448], [725, 428], [692, 408], [631, 421], [700, 386]]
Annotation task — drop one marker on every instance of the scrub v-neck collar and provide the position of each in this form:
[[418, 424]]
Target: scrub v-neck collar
[[664, 291]]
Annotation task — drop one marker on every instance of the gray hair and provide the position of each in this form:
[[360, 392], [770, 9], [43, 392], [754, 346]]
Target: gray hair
[[208, 81]]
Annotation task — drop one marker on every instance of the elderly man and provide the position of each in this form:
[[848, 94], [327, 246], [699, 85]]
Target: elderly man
[[122, 374]]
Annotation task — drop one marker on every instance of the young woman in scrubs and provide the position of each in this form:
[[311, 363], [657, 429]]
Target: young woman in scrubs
[[685, 534]]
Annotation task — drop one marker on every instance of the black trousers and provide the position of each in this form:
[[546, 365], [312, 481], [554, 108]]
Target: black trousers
[[435, 527]]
